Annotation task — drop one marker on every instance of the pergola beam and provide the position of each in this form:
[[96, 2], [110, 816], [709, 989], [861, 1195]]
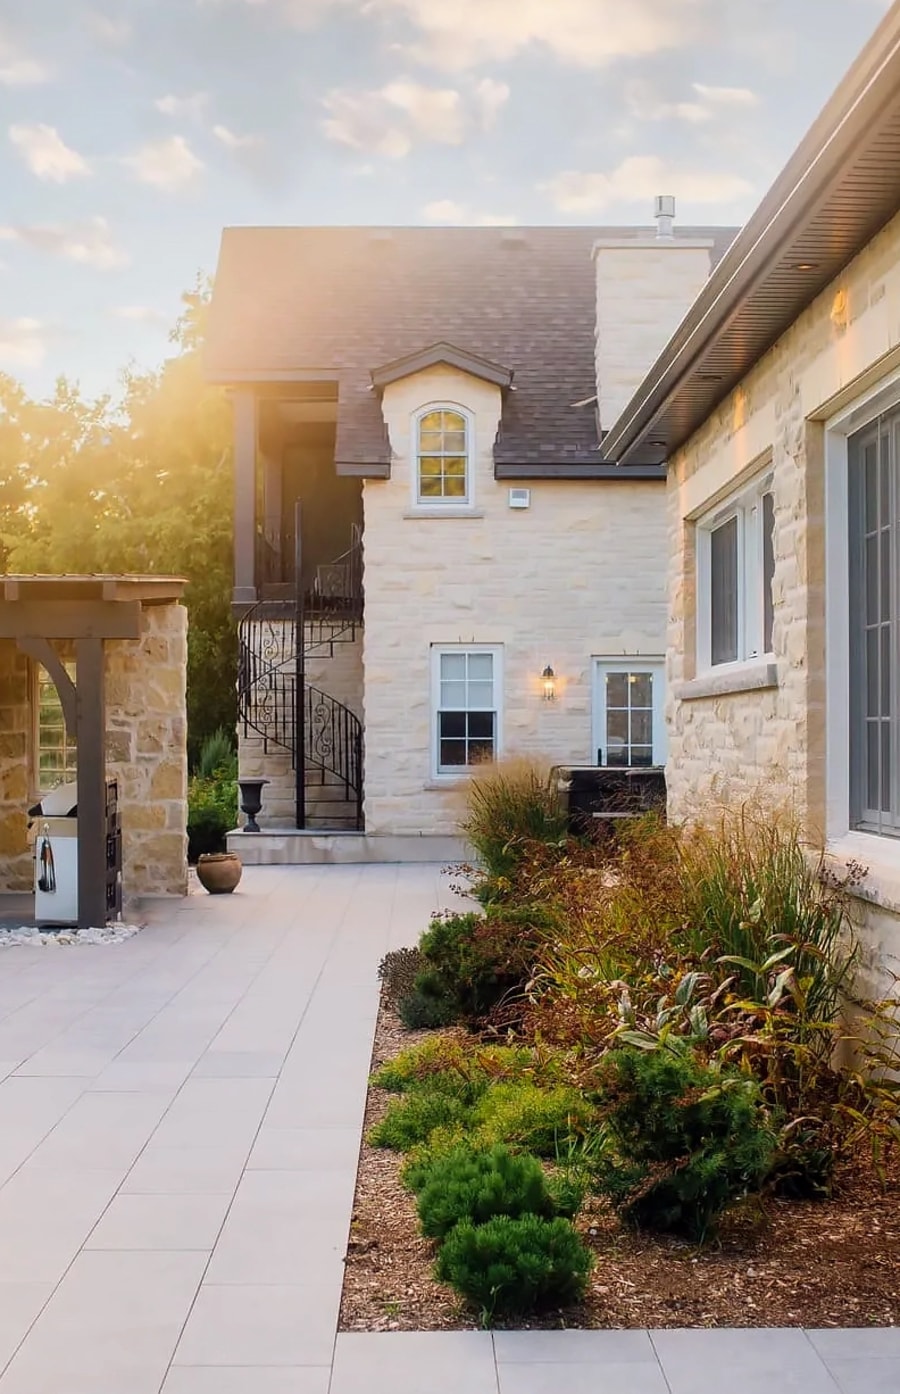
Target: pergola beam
[[70, 619]]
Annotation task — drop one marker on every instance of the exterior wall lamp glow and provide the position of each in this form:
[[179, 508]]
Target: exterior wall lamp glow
[[548, 677]]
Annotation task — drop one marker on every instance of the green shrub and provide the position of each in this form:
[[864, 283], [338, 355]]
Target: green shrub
[[509, 806], [476, 961], [467, 1184], [427, 1006], [511, 1267], [212, 813], [413, 1068], [542, 1121], [689, 1140], [412, 1118], [218, 756]]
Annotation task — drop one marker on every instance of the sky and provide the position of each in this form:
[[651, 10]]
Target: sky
[[132, 131]]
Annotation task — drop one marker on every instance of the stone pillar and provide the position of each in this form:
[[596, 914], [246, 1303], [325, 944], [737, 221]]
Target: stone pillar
[[16, 870], [147, 750], [245, 440], [644, 290]]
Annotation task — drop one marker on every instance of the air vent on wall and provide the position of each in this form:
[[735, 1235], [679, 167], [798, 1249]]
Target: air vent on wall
[[520, 498]]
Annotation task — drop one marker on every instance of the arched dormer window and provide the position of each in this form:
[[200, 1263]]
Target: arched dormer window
[[443, 471]]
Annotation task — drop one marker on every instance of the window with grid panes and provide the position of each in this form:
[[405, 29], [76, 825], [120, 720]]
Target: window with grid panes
[[874, 518], [56, 758], [442, 457], [466, 716]]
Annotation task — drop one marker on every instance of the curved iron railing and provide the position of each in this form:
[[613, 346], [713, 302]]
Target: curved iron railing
[[274, 700]]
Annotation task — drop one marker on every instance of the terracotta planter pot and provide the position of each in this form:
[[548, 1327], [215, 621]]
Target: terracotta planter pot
[[219, 872]]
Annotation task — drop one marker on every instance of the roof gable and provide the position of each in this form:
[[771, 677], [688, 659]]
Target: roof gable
[[448, 355]]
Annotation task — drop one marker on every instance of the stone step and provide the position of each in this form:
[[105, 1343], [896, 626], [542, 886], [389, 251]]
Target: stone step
[[314, 847]]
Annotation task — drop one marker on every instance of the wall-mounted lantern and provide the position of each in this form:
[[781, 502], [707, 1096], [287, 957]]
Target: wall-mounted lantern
[[548, 678]]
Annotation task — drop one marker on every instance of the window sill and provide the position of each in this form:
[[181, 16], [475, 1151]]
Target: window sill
[[744, 677], [445, 782], [880, 856], [450, 512]]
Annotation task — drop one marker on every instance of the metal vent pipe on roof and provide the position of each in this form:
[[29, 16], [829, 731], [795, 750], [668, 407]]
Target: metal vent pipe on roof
[[664, 213]]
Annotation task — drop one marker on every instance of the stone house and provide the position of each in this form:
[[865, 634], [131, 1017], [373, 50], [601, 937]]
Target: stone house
[[418, 415], [777, 407]]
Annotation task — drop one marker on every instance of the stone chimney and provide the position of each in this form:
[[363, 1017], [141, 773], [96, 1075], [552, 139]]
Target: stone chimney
[[645, 287]]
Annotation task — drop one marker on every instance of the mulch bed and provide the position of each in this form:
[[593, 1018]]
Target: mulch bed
[[787, 1263]]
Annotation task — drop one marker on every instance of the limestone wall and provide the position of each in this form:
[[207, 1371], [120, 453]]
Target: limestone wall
[[146, 753], [147, 750], [788, 741], [16, 869], [579, 574]]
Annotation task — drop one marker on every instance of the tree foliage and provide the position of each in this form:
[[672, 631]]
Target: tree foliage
[[140, 485]]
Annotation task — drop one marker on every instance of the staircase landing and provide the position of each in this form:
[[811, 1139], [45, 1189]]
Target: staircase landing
[[292, 847]]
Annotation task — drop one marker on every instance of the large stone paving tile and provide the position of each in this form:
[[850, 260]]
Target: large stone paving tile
[[867, 1375], [858, 1342], [111, 1326], [20, 1305], [634, 1377], [101, 1131], [254, 1325], [45, 1218], [162, 1170], [579, 1347], [305, 1149], [168, 1222], [294, 1379], [285, 1227], [414, 1362], [771, 1349]]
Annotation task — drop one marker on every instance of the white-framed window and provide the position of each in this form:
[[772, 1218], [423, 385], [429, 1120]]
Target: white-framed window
[[467, 682], [874, 625], [442, 436], [735, 569], [629, 712], [56, 759]]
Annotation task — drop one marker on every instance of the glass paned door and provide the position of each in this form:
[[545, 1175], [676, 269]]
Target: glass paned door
[[629, 722]]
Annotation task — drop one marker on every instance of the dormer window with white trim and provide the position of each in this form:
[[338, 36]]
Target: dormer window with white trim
[[442, 440]]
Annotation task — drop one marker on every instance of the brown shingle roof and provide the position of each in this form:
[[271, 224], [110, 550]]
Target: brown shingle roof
[[342, 301]]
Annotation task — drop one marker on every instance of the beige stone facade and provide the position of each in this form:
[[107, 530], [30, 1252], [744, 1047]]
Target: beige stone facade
[[146, 754], [781, 731], [576, 576]]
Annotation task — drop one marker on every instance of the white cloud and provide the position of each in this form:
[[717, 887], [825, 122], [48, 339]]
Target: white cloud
[[23, 342], [169, 165], [89, 243], [637, 180], [139, 314], [389, 121], [645, 103], [46, 153], [192, 106], [446, 210], [588, 33], [231, 141]]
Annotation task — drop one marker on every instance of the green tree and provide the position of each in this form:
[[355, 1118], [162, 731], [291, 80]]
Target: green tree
[[143, 486]]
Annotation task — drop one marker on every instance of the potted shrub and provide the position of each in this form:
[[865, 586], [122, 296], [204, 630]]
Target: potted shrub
[[212, 814]]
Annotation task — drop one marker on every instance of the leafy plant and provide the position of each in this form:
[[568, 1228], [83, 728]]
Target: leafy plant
[[427, 1006], [690, 1140], [541, 1120], [412, 1118], [512, 1267], [474, 961], [467, 1184], [212, 813]]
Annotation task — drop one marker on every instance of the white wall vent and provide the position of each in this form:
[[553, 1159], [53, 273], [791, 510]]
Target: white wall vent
[[520, 498]]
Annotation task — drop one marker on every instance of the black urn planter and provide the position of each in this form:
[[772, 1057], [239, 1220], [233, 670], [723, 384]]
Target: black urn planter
[[251, 801]]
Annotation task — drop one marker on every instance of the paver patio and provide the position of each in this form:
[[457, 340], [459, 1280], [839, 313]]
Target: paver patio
[[179, 1127]]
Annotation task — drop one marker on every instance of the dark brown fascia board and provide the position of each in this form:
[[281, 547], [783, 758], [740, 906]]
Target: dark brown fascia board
[[363, 469], [871, 83], [449, 354], [605, 470]]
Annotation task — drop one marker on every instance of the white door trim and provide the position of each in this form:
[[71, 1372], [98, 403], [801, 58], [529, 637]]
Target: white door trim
[[628, 663]]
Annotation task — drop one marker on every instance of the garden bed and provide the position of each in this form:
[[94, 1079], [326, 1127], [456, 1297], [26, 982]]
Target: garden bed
[[775, 1263]]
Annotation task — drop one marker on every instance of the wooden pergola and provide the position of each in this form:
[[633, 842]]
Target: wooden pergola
[[84, 611]]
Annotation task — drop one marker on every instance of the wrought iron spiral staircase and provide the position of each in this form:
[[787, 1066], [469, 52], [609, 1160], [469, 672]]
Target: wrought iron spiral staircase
[[323, 737]]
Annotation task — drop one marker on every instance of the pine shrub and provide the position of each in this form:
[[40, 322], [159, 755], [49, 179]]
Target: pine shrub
[[512, 1267], [467, 1184], [688, 1140]]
